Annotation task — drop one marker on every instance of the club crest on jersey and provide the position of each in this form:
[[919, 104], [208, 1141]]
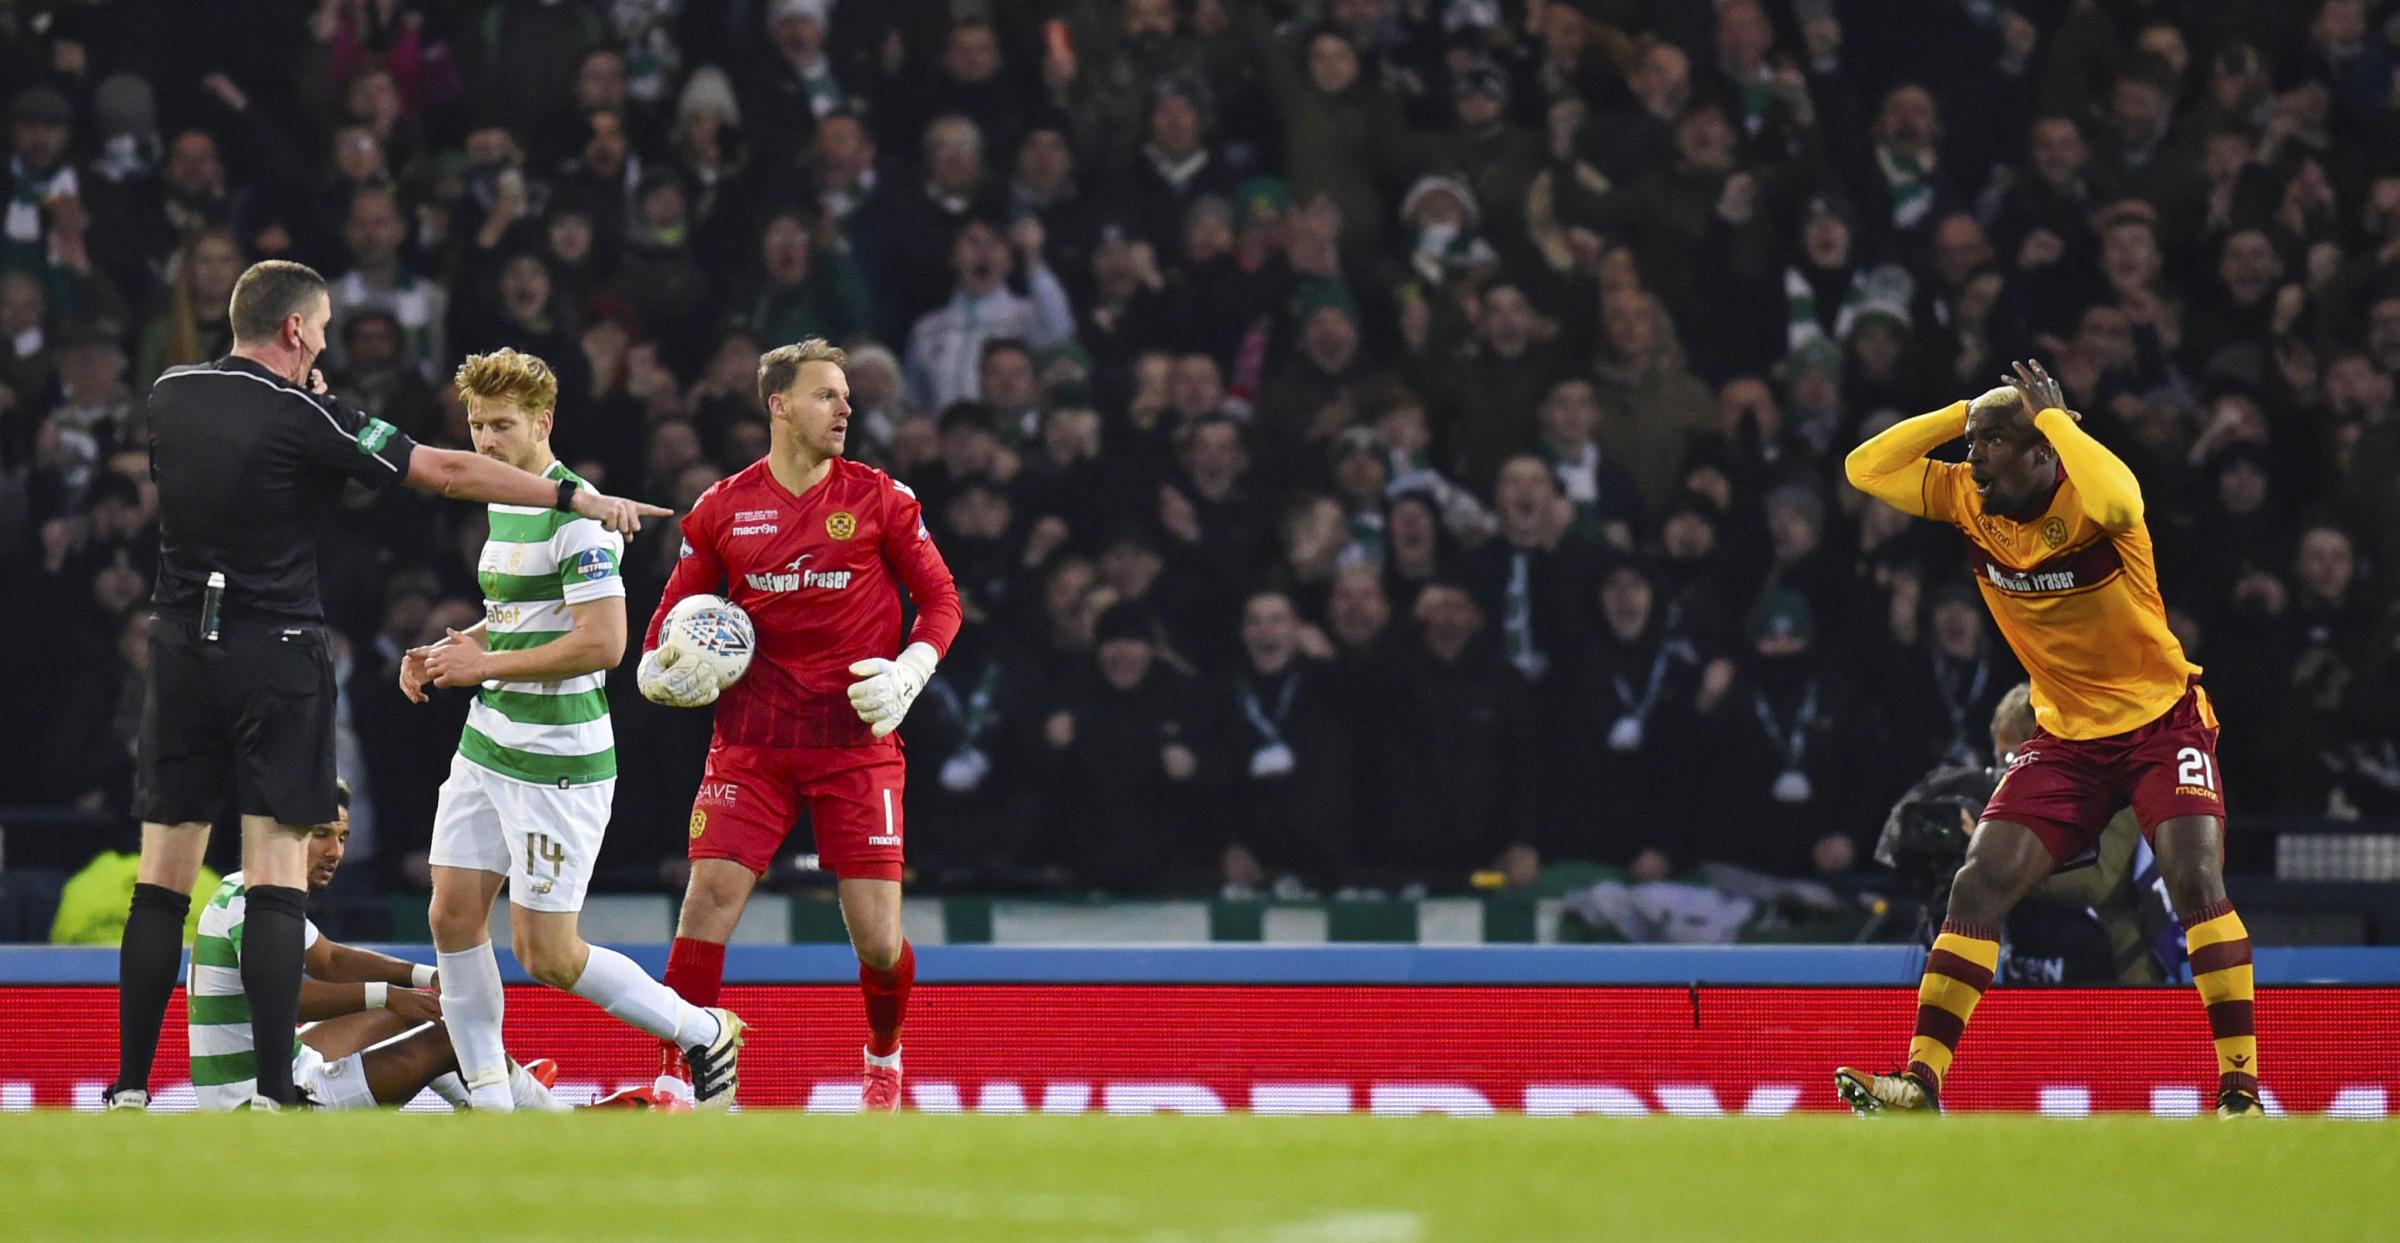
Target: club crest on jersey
[[841, 524], [796, 577], [2054, 531]]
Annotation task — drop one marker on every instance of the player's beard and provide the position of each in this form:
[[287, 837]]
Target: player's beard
[[2017, 505]]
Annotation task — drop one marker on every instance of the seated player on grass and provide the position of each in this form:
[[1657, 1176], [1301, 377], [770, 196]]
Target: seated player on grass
[[376, 1034]]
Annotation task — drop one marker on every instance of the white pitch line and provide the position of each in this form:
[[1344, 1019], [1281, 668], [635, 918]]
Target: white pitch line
[[1364, 1227]]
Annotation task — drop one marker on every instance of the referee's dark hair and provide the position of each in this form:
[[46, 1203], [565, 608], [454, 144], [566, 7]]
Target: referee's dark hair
[[272, 291]]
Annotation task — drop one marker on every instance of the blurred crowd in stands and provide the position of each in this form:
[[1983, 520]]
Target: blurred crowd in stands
[[1378, 441]]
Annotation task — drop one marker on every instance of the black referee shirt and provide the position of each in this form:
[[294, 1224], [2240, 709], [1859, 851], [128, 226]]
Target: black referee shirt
[[249, 470]]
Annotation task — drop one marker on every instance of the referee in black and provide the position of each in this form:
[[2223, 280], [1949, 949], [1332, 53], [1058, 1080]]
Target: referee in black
[[251, 458]]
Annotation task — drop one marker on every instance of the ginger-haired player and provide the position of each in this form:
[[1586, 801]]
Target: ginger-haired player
[[2054, 523], [529, 792], [816, 549]]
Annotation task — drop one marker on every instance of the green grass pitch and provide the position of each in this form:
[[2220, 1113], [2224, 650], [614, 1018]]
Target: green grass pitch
[[1177, 1179]]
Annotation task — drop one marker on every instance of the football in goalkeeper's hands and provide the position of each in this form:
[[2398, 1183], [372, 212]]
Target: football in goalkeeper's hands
[[711, 632]]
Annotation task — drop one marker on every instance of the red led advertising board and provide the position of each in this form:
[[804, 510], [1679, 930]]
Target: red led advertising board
[[1389, 1049]]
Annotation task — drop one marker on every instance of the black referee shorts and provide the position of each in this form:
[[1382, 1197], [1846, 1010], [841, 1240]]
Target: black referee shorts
[[251, 714]]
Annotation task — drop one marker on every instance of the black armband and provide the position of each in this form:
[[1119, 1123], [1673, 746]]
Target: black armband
[[566, 496]]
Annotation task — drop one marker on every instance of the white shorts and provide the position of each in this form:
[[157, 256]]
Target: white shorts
[[338, 1084], [544, 839]]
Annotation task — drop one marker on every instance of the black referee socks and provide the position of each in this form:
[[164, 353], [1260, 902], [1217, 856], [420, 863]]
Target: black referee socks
[[146, 963], [271, 952]]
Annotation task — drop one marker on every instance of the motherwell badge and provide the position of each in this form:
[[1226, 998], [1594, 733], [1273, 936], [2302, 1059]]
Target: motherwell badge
[[2054, 532], [699, 824], [841, 524]]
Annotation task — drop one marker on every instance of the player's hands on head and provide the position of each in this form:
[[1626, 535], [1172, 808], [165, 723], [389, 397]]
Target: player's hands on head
[[664, 680], [414, 1004], [886, 688], [2039, 389], [616, 513]]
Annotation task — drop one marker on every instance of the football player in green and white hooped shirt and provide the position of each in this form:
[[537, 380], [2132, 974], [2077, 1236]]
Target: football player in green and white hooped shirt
[[528, 795], [359, 1050]]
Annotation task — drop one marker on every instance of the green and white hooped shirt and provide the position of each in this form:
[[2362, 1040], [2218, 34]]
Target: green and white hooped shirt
[[537, 563], [224, 1074]]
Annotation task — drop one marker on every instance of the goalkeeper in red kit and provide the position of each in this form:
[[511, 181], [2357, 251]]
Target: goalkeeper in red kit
[[816, 550]]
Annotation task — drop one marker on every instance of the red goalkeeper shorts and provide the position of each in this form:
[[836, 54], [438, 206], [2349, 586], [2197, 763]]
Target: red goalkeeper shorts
[[2065, 789], [751, 796]]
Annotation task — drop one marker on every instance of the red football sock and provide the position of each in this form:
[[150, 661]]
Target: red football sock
[[696, 970], [887, 1000]]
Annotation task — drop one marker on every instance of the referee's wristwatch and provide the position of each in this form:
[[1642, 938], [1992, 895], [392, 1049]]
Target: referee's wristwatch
[[566, 496]]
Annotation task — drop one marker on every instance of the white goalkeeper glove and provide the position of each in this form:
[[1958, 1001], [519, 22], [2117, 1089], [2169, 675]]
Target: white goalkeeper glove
[[886, 688], [677, 686]]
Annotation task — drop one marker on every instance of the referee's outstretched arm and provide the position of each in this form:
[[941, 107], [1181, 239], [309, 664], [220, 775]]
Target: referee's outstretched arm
[[464, 476], [251, 456]]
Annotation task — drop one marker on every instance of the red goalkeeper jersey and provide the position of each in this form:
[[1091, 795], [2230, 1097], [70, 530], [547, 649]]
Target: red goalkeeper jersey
[[820, 575]]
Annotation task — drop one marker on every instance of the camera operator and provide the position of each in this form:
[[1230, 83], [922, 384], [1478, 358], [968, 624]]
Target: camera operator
[[2099, 919]]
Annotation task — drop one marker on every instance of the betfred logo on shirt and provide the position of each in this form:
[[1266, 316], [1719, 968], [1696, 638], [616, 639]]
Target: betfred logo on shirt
[[794, 577], [596, 564]]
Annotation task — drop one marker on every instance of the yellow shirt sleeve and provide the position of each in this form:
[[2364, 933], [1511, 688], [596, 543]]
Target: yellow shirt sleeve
[[2111, 495], [1891, 467]]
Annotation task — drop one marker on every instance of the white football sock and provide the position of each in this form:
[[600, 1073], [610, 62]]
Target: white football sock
[[528, 1093], [618, 985], [472, 1006], [451, 1088]]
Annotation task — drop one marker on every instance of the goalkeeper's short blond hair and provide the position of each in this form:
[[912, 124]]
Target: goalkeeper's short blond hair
[[504, 375], [779, 367]]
